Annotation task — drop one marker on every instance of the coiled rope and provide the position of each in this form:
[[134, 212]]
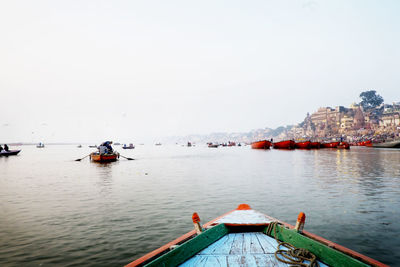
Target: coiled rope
[[294, 256]]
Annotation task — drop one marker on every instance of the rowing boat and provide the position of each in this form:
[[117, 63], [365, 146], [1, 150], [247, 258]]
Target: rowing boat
[[287, 144], [264, 144], [103, 158], [9, 153], [245, 237], [303, 145]]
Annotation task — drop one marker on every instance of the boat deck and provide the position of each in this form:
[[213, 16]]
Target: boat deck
[[239, 249]]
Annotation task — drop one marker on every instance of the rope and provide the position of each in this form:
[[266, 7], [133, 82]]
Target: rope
[[294, 256]]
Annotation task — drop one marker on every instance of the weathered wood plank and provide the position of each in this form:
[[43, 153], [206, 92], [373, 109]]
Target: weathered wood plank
[[237, 244], [221, 247], [251, 245], [268, 243], [205, 260]]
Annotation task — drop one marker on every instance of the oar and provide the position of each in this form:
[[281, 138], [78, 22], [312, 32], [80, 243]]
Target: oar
[[83, 157], [126, 157]]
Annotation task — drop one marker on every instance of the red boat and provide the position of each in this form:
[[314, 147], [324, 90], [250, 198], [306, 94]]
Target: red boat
[[315, 145], [287, 144], [330, 145], [97, 157], [344, 145], [303, 145], [264, 144], [365, 143]]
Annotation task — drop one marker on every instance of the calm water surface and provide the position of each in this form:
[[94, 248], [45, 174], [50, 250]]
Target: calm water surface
[[56, 211]]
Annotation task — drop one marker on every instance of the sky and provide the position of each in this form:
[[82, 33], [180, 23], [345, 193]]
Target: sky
[[136, 71]]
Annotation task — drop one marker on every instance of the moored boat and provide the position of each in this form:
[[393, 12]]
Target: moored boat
[[303, 145], [364, 143], [390, 144], [330, 145], [287, 144], [9, 152], [103, 158], [264, 144], [315, 145], [343, 145], [245, 237]]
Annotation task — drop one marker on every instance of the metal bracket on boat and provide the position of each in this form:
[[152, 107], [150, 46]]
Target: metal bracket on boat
[[301, 219], [196, 223], [173, 247]]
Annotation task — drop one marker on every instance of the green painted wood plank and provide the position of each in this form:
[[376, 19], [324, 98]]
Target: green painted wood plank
[[324, 253], [191, 247]]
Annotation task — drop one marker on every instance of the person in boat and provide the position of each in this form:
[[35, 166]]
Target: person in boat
[[106, 148], [1, 148], [6, 148]]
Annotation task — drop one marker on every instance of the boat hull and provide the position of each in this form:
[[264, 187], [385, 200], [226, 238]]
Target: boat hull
[[264, 144], [9, 153], [315, 145], [128, 147], [330, 145], [96, 157], [303, 145], [287, 144]]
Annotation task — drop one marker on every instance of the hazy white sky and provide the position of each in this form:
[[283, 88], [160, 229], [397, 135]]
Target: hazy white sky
[[138, 70]]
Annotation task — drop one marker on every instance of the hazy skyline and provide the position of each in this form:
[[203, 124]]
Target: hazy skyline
[[86, 71]]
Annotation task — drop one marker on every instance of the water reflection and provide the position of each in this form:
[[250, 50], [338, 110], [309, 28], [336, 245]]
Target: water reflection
[[105, 176]]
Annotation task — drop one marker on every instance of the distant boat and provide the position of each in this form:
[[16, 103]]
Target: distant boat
[[158, 144], [40, 145], [213, 145], [131, 146], [94, 146], [79, 146], [303, 145], [315, 145], [103, 158], [264, 144], [330, 145], [287, 144], [391, 144], [189, 144], [9, 153]]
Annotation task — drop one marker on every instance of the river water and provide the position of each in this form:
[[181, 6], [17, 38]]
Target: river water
[[57, 211]]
